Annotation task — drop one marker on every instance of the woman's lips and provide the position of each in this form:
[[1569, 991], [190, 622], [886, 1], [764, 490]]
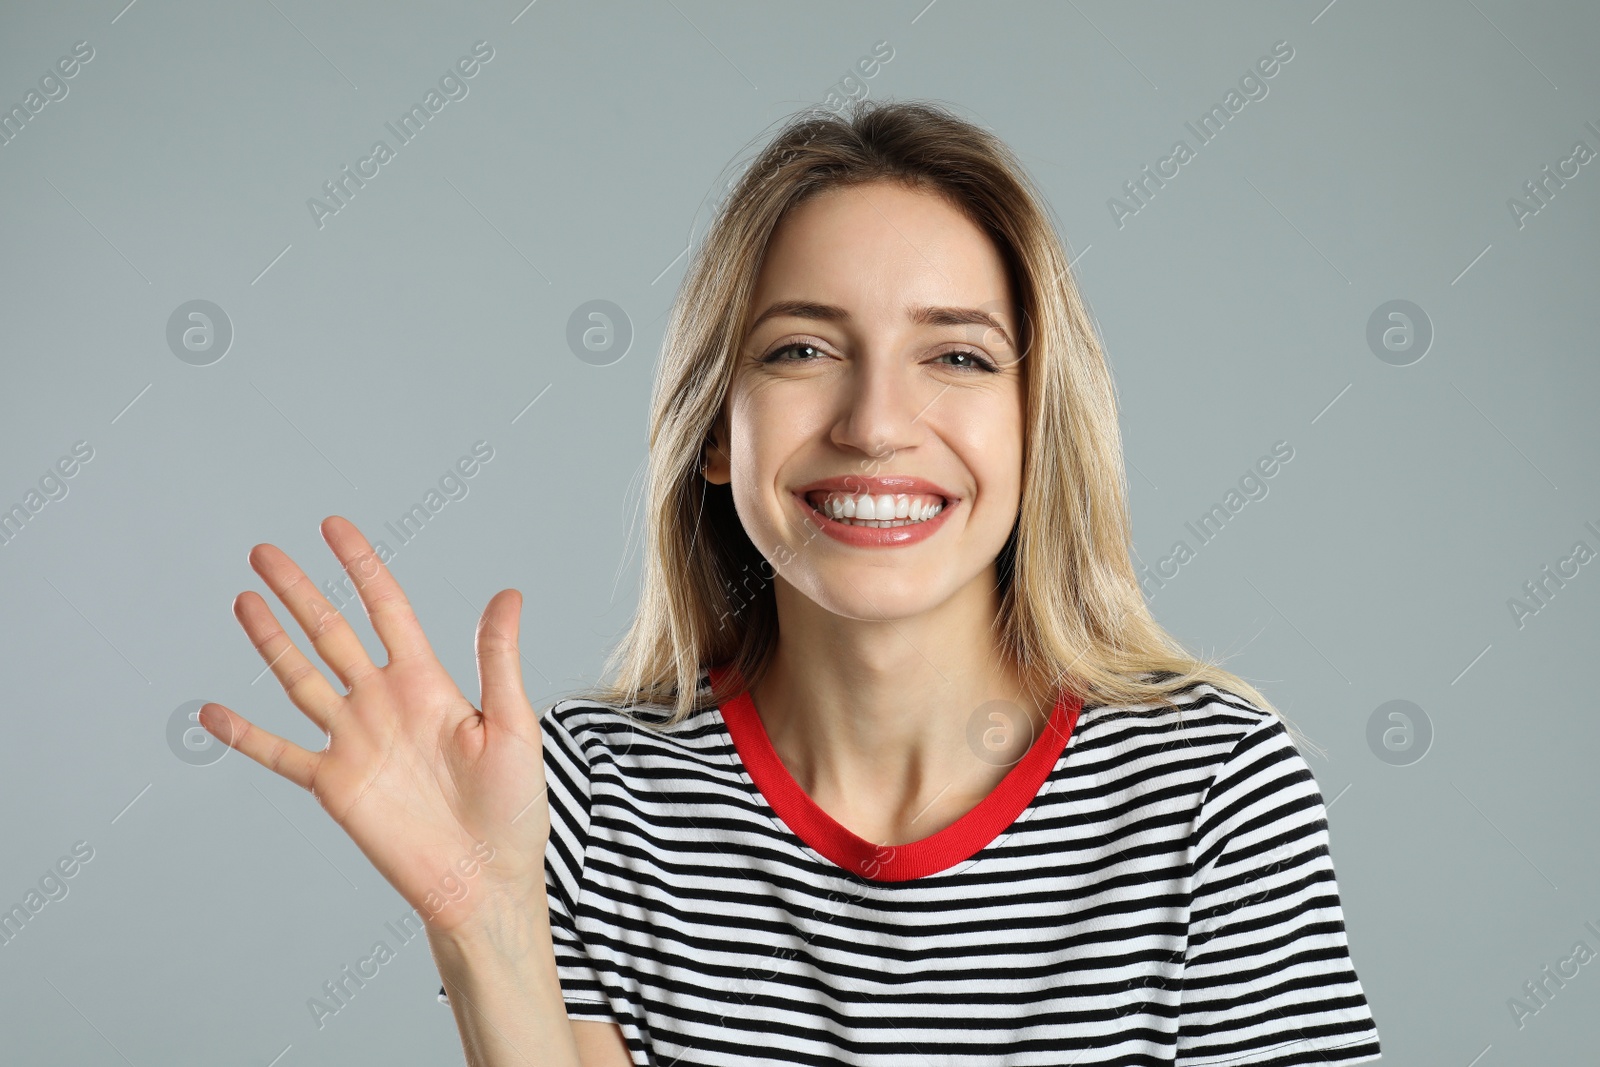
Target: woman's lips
[[875, 536]]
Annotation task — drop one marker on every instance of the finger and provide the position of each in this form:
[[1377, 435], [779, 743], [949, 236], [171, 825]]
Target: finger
[[282, 757], [392, 618], [305, 685], [505, 702], [331, 634]]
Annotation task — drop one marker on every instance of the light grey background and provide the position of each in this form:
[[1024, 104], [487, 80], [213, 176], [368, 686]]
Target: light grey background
[[369, 354]]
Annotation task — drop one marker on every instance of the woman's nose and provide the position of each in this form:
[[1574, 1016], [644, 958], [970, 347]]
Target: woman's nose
[[883, 407]]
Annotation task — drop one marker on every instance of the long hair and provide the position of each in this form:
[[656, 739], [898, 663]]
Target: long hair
[[1072, 611]]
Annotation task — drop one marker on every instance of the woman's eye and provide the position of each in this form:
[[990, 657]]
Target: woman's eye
[[776, 355], [805, 352], [973, 361]]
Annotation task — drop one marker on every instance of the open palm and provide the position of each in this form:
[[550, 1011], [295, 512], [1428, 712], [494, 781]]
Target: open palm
[[446, 801]]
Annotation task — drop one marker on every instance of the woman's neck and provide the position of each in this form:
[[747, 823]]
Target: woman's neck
[[897, 728]]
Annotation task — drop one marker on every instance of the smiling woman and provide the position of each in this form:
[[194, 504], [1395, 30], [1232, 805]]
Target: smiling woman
[[784, 843], [938, 787]]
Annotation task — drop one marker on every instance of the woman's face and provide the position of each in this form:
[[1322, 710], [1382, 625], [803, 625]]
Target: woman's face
[[882, 363]]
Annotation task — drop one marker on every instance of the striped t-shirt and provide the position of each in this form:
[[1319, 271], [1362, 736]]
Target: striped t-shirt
[[1146, 886]]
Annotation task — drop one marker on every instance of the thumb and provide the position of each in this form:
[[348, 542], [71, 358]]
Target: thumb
[[505, 704]]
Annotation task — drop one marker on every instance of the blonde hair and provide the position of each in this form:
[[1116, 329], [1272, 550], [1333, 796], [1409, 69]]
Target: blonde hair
[[1073, 614]]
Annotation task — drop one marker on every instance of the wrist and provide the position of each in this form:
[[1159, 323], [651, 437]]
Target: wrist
[[504, 922]]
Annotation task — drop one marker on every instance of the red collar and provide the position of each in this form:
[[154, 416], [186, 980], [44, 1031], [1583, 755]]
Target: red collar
[[959, 841]]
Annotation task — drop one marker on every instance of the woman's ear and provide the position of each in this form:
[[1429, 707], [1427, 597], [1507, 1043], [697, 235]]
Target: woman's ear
[[715, 466]]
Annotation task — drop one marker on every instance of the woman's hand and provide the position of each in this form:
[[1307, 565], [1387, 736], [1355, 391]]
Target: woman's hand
[[446, 801]]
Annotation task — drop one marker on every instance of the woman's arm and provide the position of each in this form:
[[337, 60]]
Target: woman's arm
[[500, 975], [601, 1044], [502, 984]]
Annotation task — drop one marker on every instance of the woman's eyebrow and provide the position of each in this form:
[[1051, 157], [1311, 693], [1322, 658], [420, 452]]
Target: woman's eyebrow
[[924, 316]]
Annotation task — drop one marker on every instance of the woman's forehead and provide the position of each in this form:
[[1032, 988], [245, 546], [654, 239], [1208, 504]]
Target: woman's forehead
[[881, 249]]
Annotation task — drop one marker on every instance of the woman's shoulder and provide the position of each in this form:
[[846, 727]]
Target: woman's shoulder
[[1202, 719], [601, 727]]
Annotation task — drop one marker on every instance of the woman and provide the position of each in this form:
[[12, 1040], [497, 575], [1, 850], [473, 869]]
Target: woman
[[896, 766]]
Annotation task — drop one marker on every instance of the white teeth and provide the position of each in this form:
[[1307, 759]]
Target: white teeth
[[884, 510]]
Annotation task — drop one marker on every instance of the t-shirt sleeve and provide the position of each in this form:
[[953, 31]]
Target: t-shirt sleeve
[[1268, 979], [567, 779]]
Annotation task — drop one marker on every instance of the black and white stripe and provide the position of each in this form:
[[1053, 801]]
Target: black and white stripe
[[1167, 899]]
